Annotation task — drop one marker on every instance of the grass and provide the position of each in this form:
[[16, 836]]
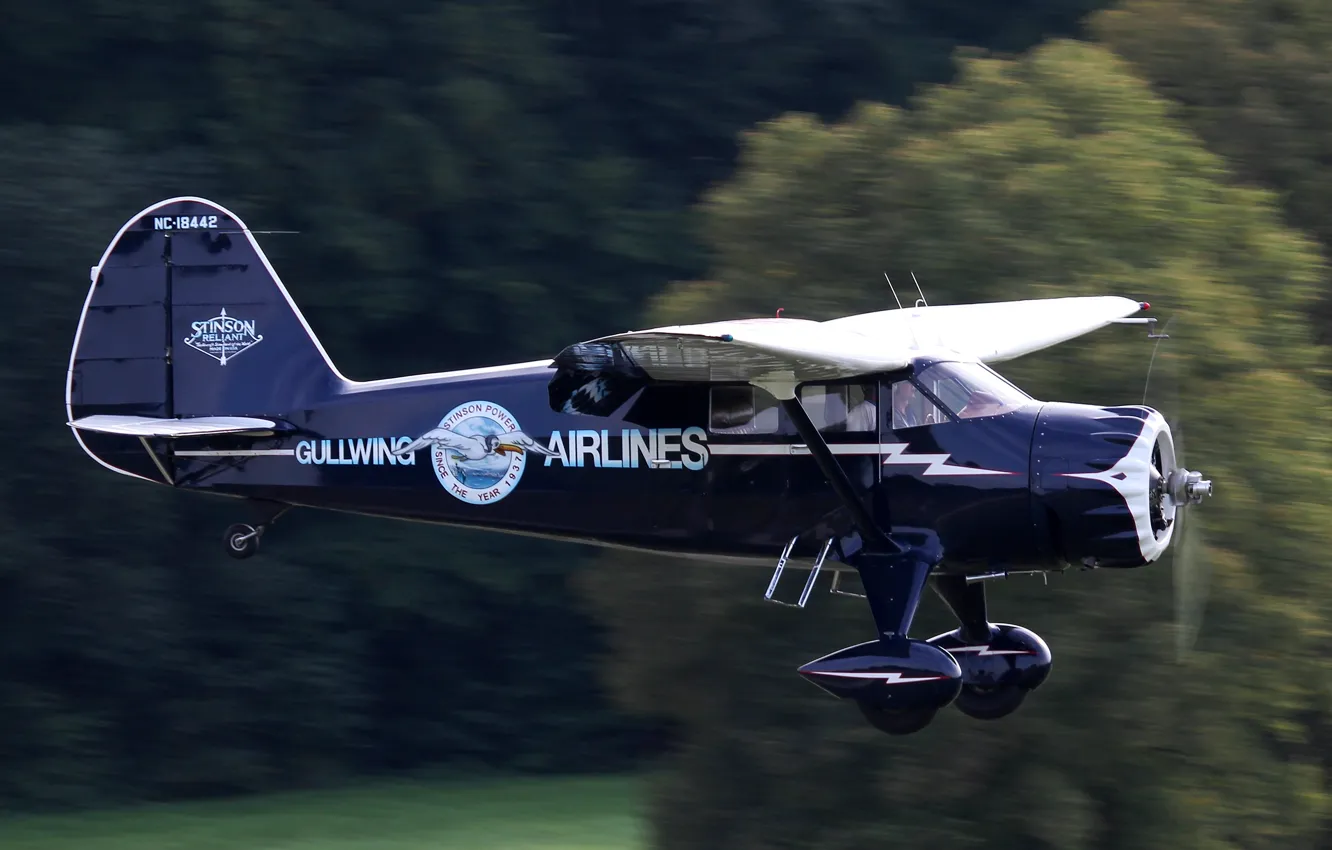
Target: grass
[[515, 814]]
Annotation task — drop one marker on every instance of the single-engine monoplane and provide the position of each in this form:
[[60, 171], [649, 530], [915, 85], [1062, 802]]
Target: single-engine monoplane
[[881, 444]]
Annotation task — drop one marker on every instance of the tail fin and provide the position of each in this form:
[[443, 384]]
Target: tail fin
[[186, 318]]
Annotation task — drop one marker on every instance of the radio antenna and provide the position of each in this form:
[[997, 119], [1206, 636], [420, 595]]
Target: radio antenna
[[918, 289], [893, 291]]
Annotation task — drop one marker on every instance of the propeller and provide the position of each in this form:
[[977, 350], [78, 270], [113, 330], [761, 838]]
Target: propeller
[[1175, 491]]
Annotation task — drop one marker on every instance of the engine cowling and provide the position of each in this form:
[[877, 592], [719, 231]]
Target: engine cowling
[[1099, 476]]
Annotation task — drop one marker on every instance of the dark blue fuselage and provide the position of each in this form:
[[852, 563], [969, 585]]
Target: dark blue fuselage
[[652, 475]]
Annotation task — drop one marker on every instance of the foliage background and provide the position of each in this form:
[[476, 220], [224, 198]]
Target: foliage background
[[480, 182]]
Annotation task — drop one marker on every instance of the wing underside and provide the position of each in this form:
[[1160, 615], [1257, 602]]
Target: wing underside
[[797, 350]]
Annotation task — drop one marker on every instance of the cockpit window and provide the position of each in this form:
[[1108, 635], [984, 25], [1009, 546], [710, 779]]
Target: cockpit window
[[971, 390], [912, 408]]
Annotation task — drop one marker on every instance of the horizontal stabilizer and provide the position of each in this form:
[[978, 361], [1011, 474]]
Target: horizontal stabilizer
[[203, 426]]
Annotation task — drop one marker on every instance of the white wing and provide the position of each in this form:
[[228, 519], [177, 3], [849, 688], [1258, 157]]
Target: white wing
[[784, 350], [992, 332], [467, 446], [524, 442]]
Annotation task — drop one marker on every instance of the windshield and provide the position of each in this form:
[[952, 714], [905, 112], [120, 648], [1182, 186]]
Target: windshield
[[970, 390]]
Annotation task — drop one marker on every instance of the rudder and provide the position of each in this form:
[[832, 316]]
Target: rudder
[[185, 317]]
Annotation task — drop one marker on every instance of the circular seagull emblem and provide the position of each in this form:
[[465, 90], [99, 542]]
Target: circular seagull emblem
[[478, 452]]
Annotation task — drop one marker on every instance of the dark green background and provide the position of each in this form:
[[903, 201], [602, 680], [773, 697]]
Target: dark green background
[[551, 159]]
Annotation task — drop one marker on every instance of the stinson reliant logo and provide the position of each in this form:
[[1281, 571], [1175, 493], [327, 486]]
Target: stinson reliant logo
[[223, 337]]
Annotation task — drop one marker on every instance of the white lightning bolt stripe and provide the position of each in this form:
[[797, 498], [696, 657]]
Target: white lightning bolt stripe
[[235, 453], [985, 650], [888, 678], [894, 455], [790, 449], [936, 463]]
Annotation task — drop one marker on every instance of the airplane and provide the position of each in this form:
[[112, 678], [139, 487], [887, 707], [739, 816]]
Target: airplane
[[882, 444]]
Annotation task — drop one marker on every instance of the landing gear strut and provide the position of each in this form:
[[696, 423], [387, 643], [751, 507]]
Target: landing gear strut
[[241, 540], [899, 682]]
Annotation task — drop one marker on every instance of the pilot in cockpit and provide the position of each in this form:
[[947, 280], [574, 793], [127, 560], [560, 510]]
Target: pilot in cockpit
[[982, 403], [906, 406]]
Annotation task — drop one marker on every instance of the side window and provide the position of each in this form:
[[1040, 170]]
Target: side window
[[835, 408], [743, 409], [912, 408]]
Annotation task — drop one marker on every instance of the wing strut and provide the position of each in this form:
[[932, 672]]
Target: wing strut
[[837, 477]]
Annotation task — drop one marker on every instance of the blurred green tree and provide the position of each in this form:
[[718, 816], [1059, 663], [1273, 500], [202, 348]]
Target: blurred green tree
[[138, 661], [1057, 174], [1252, 80], [474, 181], [471, 172]]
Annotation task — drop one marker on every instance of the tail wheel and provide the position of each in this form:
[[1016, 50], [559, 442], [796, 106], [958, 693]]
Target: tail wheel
[[241, 540], [901, 721], [989, 703]]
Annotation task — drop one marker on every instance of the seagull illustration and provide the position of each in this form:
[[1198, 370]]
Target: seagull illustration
[[480, 447]]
